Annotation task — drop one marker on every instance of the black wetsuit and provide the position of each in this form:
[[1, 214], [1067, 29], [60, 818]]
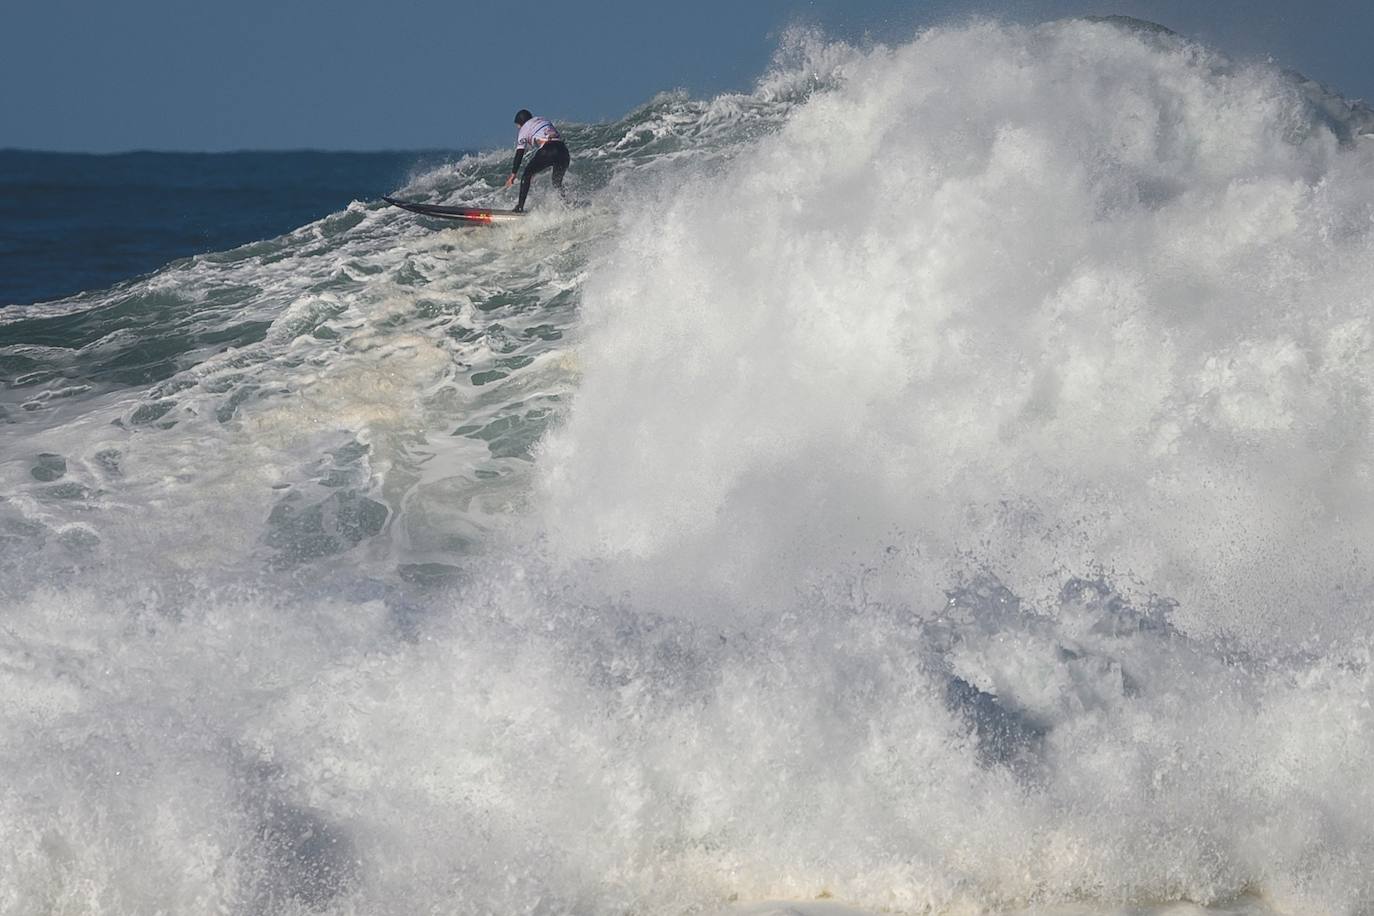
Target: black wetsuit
[[552, 155]]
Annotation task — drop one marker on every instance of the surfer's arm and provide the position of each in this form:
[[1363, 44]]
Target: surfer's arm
[[515, 166]]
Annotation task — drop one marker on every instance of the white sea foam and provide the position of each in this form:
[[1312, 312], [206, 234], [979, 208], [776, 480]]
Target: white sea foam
[[1052, 301], [951, 497]]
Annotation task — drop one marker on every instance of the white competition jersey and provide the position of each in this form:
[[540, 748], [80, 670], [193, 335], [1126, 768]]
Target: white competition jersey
[[536, 132]]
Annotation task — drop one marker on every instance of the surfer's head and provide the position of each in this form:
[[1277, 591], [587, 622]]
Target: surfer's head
[[522, 116]]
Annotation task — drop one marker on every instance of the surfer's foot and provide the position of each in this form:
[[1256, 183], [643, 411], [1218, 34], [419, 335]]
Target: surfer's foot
[[519, 208]]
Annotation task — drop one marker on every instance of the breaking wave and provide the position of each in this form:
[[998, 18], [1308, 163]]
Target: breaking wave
[[937, 480]]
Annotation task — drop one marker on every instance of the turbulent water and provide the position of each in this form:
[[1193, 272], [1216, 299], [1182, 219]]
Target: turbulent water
[[937, 481]]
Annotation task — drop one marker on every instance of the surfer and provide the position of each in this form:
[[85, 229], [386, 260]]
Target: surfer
[[552, 153]]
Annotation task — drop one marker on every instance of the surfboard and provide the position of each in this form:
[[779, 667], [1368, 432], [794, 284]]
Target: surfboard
[[479, 215]]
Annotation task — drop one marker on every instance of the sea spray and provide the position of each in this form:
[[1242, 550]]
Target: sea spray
[[933, 482], [1048, 301]]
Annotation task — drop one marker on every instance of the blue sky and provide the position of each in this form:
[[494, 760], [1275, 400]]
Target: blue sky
[[93, 75]]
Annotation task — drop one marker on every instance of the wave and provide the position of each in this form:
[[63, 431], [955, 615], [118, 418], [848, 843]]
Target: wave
[[935, 480]]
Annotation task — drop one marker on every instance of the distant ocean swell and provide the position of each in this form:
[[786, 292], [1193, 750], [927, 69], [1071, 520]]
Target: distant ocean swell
[[959, 502]]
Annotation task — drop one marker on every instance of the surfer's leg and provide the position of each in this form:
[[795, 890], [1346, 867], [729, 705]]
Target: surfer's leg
[[525, 187], [560, 167], [541, 160]]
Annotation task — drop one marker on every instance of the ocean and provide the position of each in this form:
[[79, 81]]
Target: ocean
[[71, 223], [936, 480]]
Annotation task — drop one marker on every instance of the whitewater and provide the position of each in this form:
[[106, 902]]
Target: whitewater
[[938, 480]]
